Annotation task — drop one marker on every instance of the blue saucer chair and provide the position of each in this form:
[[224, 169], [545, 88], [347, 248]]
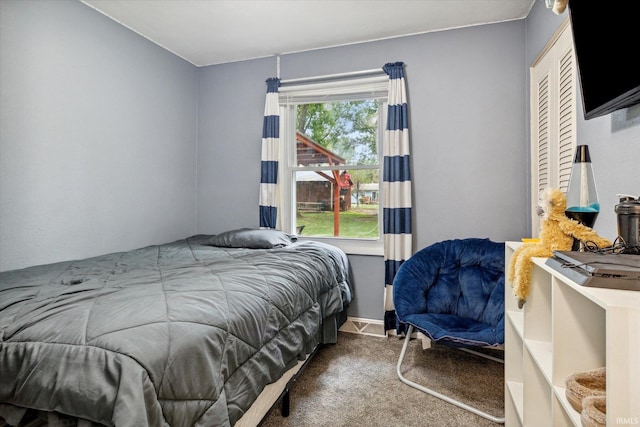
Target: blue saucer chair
[[453, 292]]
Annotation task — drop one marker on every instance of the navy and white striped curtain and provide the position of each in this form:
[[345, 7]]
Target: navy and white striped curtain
[[269, 163], [396, 187]]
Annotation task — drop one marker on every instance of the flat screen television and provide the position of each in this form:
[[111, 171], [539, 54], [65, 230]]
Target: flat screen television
[[606, 45]]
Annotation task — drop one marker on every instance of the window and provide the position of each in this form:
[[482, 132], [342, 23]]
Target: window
[[331, 163]]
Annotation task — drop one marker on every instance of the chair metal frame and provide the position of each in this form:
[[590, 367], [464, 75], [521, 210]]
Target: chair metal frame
[[434, 393]]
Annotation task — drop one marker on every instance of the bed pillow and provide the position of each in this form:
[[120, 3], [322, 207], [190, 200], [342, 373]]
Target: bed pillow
[[252, 239]]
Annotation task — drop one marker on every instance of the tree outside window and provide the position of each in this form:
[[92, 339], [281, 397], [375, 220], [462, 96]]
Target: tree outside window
[[337, 169]]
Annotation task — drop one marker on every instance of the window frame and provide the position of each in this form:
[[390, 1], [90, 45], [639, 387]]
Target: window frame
[[336, 90]]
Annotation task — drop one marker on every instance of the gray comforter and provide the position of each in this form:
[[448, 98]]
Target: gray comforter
[[181, 334]]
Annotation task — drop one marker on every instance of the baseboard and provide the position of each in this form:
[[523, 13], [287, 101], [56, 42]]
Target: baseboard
[[357, 325]]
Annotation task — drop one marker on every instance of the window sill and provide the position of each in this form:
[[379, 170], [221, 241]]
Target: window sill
[[352, 246]]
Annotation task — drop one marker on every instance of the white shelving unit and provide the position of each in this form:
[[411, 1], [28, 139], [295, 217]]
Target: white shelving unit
[[565, 328]]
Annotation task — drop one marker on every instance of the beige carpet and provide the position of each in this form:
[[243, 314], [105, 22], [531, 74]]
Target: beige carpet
[[354, 383]]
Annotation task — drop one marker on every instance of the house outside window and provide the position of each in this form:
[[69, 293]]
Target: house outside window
[[331, 162]]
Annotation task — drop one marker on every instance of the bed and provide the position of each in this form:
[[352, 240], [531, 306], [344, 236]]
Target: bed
[[186, 333]]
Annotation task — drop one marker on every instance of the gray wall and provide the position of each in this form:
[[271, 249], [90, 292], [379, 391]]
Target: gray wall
[[231, 111], [467, 118], [97, 136]]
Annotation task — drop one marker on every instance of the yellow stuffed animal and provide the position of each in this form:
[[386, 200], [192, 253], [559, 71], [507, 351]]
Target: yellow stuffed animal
[[556, 234]]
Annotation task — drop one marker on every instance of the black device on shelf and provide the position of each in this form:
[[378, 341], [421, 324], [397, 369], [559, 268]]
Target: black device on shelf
[[605, 42], [615, 271]]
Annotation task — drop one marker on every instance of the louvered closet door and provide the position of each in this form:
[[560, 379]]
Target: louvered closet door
[[553, 116]]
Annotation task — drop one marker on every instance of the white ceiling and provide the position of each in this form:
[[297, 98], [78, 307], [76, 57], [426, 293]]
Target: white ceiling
[[206, 32]]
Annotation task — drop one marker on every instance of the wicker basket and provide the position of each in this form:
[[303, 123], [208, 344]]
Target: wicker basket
[[584, 384], [594, 411]]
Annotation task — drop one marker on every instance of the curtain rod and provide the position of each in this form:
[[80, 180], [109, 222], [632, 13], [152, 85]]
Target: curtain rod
[[373, 72]]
